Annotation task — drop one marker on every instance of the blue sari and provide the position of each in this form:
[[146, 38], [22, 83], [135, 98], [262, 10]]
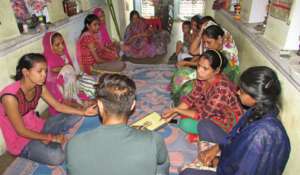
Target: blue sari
[[258, 148]]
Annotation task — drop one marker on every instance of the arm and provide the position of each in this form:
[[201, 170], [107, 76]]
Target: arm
[[65, 108], [169, 113], [136, 36], [207, 156], [92, 49], [56, 69], [10, 105], [196, 43], [184, 63]]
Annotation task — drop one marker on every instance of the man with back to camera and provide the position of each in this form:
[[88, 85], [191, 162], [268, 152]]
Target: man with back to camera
[[114, 148]]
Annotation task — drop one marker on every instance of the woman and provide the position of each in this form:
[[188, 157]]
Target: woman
[[90, 50], [61, 77], [213, 37], [258, 144], [139, 40], [25, 134], [213, 99], [111, 49]]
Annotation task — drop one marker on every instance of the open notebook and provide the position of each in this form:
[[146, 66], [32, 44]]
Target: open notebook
[[152, 122]]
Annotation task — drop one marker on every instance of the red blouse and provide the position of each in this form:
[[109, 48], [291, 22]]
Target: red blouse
[[219, 102]]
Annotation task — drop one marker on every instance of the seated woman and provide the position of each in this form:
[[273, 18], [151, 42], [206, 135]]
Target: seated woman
[[90, 49], [25, 134], [213, 37], [111, 49], [140, 41], [213, 99], [61, 77], [258, 144]]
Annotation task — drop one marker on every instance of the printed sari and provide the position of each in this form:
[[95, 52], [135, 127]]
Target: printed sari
[[62, 84]]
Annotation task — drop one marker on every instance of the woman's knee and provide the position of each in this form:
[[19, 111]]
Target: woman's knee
[[188, 125], [56, 156]]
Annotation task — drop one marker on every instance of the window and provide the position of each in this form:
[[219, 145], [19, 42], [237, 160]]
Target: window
[[189, 8], [147, 8]]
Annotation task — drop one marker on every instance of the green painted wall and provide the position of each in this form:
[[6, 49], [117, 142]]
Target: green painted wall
[[8, 26]]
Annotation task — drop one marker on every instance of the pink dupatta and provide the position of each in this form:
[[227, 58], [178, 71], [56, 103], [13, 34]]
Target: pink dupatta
[[105, 38], [54, 60]]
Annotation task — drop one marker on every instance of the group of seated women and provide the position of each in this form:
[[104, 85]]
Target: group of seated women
[[210, 107], [254, 142]]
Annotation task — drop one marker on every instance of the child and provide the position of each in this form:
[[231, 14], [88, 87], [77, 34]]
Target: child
[[25, 134], [182, 48]]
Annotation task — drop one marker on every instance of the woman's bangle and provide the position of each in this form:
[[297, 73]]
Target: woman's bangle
[[49, 137]]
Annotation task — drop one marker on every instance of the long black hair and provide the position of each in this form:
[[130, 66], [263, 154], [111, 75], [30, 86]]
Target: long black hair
[[27, 61], [133, 13], [216, 59], [214, 31], [205, 19], [262, 84], [88, 21]]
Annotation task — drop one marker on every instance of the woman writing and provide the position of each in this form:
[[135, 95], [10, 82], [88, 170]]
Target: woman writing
[[25, 134]]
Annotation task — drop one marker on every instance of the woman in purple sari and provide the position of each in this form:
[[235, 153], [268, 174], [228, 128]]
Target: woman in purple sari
[[138, 39]]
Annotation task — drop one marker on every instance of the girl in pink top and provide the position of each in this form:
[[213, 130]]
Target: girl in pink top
[[25, 134]]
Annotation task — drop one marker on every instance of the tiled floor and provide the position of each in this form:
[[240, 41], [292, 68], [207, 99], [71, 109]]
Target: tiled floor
[[176, 35]]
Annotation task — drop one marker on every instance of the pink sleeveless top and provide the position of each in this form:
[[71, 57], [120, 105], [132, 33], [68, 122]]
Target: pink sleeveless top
[[14, 142]]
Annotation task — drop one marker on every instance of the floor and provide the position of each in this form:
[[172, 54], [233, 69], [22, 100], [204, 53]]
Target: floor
[[176, 35]]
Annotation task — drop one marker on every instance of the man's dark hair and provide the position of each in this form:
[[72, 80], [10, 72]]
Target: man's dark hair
[[117, 93]]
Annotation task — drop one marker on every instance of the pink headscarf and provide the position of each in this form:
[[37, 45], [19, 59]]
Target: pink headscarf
[[102, 28], [53, 59]]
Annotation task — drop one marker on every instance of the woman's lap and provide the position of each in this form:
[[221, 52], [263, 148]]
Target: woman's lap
[[51, 153], [190, 171], [208, 131]]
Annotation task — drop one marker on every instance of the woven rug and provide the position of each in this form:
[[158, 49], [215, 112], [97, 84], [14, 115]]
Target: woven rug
[[152, 95]]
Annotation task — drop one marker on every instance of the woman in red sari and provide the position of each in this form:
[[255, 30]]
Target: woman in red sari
[[213, 100], [90, 50]]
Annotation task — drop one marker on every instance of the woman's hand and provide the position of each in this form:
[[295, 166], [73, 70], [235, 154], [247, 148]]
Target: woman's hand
[[91, 111], [181, 64], [169, 113], [60, 138], [208, 156]]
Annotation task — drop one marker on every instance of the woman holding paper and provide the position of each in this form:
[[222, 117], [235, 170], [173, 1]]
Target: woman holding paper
[[213, 100]]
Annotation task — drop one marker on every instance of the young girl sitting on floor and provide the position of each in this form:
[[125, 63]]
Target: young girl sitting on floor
[[90, 49], [25, 134]]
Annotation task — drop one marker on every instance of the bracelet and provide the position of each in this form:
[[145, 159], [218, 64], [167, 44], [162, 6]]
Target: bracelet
[[49, 137]]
